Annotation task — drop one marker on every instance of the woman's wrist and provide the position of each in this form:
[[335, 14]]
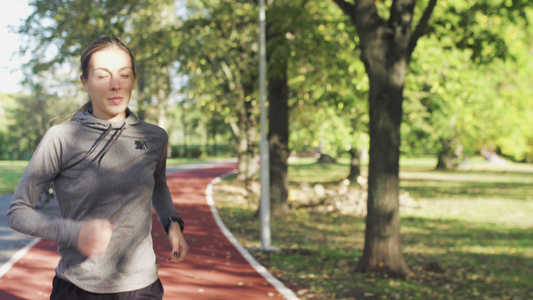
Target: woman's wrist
[[177, 220]]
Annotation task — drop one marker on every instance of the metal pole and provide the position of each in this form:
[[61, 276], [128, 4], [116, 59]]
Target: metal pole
[[264, 206]]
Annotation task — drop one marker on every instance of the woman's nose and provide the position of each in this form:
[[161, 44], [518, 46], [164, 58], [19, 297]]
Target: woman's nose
[[115, 83]]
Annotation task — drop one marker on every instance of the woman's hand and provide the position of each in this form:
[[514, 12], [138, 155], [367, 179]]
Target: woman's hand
[[178, 246], [94, 237]]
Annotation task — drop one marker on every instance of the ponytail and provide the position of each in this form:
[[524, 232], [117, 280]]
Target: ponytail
[[88, 105], [69, 116]]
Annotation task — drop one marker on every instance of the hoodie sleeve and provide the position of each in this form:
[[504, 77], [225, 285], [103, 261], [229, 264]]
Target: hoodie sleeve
[[161, 199], [40, 172]]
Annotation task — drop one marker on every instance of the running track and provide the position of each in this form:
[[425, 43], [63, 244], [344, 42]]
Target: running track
[[217, 267]]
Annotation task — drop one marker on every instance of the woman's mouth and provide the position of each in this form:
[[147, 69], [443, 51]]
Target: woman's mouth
[[115, 100]]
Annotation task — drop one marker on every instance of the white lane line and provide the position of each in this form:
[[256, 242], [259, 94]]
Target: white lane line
[[18, 255]]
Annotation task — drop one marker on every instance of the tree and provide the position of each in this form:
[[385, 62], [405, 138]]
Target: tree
[[155, 48], [448, 103], [218, 54], [308, 92], [495, 36], [278, 102], [6, 100], [32, 115], [386, 48], [458, 97]]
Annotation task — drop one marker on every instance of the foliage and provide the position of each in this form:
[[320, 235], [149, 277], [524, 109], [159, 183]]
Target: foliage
[[5, 102], [512, 120], [488, 29], [468, 240], [31, 116], [326, 105], [218, 55], [461, 92], [447, 100]]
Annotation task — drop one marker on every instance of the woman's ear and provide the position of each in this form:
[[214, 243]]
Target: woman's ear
[[84, 83]]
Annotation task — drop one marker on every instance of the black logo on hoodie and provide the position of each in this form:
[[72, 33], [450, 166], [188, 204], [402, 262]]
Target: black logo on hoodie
[[141, 145]]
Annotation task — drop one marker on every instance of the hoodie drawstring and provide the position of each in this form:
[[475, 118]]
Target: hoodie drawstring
[[110, 143], [102, 152]]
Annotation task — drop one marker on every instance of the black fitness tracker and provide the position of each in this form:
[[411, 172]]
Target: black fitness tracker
[[177, 220]]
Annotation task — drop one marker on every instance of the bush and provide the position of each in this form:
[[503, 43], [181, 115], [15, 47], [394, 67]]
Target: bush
[[197, 151]]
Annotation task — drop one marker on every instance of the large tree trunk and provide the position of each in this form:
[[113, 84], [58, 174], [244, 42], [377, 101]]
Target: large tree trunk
[[386, 66], [278, 117], [382, 251], [278, 137]]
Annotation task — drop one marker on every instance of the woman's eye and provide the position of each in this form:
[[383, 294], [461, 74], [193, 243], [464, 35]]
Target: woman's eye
[[125, 75], [101, 76]]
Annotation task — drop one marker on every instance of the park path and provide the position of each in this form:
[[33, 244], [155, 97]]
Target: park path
[[217, 267]]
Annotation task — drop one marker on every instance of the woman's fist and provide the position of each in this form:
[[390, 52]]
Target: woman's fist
[[94, 237]]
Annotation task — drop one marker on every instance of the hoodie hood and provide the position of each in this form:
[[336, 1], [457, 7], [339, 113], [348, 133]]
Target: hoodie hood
[[87, 118]]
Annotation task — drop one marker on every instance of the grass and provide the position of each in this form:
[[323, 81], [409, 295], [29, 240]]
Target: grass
[[470, 238], [11, 172]]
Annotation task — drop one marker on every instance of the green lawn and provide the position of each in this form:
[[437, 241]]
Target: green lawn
[[470, 238], [10, 174]]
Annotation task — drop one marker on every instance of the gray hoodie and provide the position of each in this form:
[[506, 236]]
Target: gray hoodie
[[100, 170]]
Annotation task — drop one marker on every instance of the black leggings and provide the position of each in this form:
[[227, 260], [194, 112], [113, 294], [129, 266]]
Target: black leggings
[[64, 290]]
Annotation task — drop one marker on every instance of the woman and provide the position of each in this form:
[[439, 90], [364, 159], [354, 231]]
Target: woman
[[108, 170]]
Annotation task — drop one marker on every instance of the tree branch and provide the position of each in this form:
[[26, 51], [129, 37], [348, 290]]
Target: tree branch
[[398, 9], [347, 8], [420, 28], [304, 3]]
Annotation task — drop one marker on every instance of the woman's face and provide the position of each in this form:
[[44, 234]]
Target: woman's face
[[110, 82]]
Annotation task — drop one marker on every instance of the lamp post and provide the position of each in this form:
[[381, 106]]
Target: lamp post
[[264, 206]]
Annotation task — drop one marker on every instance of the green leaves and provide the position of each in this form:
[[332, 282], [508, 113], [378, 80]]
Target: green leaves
[[466, 80], [483, 27]]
